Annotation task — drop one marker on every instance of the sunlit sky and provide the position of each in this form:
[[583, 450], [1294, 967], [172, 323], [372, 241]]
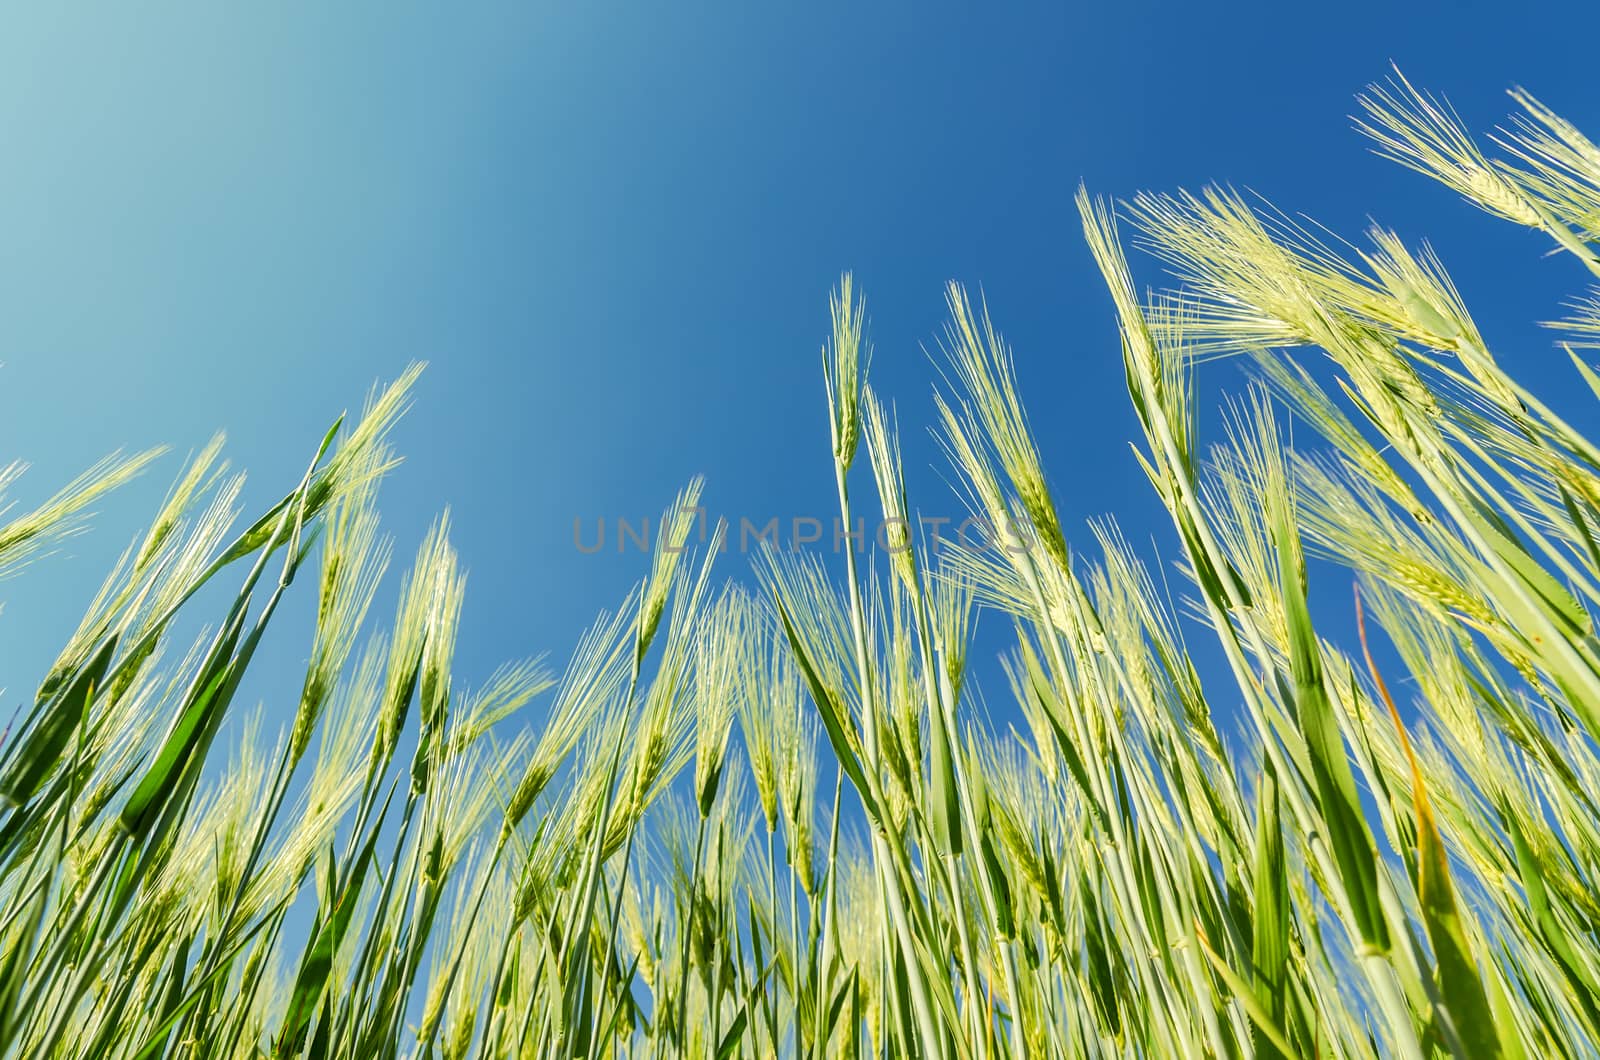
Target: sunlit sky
[[611, 231]]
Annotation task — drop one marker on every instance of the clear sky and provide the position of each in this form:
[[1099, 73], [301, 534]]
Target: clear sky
[[611, 229]]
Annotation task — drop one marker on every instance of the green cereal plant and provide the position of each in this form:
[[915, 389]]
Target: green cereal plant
[[773, 817]]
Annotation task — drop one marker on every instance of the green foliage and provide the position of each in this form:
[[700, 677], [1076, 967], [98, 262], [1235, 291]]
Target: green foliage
[[413, 868]]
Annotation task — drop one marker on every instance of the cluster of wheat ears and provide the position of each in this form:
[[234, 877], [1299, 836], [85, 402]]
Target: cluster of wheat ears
[[868, 868]]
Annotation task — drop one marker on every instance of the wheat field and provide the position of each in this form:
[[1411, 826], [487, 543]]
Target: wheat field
[[764, 813]]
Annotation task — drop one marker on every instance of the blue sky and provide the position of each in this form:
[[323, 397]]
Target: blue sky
[[611, 230]]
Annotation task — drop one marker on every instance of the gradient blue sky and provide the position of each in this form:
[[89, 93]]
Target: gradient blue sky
[[611, 229]]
